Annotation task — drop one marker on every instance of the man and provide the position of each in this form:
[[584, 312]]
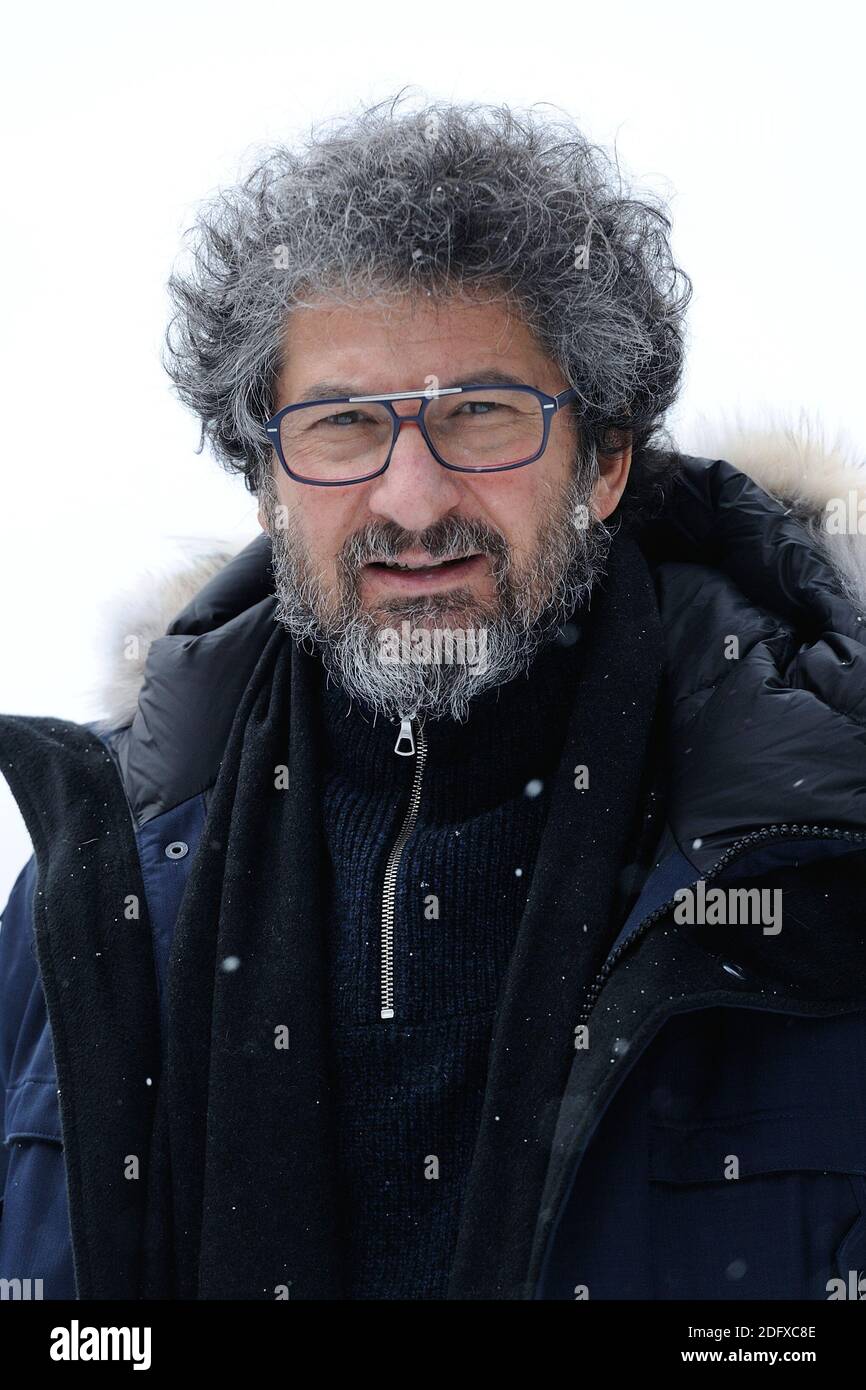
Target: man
[[464, 898]]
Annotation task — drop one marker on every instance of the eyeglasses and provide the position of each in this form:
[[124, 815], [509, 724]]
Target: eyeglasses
[[470, 429]]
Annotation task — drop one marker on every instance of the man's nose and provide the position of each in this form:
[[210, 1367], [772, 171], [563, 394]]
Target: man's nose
[[415, 490]]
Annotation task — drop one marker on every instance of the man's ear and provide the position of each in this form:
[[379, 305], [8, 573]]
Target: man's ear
[[612, 478]]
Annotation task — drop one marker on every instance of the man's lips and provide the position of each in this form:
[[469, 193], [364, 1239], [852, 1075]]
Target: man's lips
[[426, 577]]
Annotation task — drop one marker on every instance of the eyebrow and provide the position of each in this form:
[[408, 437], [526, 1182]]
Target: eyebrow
[[487, 376]]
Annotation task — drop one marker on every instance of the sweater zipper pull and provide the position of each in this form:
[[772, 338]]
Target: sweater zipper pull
[[389, 889], [406, 738]]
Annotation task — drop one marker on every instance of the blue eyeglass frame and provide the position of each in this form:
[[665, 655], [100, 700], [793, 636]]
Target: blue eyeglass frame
[[549, 406]]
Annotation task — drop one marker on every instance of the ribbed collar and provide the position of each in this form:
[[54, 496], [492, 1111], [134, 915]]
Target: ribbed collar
[[511, 738]]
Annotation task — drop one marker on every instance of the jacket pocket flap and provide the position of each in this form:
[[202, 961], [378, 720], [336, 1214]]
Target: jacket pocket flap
[[33, 1111], [798, 1141]]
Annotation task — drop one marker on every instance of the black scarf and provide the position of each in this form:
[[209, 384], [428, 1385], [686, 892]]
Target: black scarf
[[242, 1199]]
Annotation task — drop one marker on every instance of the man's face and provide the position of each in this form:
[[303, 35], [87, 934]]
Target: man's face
[[532, 551]]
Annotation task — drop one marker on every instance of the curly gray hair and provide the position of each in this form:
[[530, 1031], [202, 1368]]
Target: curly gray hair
[[445, 198]]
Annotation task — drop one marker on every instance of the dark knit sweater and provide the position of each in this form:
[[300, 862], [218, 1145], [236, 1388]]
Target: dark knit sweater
[[410, 1090]]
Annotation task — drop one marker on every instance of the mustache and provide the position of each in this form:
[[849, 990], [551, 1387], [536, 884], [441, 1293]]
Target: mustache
[[386, 542]]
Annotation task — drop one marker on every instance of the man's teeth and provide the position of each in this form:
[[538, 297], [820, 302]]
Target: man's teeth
[[428, 565]]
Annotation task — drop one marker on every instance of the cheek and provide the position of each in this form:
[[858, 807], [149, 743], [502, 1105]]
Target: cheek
[[323, 528], [520, 507]]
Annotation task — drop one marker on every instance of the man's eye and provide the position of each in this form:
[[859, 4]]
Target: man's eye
[[485, 406], [343, 417]]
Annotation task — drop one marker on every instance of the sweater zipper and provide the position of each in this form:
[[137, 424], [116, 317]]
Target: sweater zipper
[[405, 747]]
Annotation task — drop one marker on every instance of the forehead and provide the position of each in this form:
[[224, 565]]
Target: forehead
[[398, 343]]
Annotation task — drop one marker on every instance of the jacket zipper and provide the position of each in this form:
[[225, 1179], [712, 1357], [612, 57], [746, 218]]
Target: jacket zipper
[[771, 832], [405, 747], [756, 837]]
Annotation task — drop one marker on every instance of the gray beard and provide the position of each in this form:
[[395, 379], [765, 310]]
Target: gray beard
[[530, 608]]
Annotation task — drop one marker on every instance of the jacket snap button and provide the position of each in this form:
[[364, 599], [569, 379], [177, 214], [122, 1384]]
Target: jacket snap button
[[177, 849], [736, 970]]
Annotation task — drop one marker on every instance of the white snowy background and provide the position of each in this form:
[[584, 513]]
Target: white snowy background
[[117, 119]]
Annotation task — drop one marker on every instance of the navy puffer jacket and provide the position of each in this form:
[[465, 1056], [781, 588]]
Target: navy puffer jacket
[[711, 1143]]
